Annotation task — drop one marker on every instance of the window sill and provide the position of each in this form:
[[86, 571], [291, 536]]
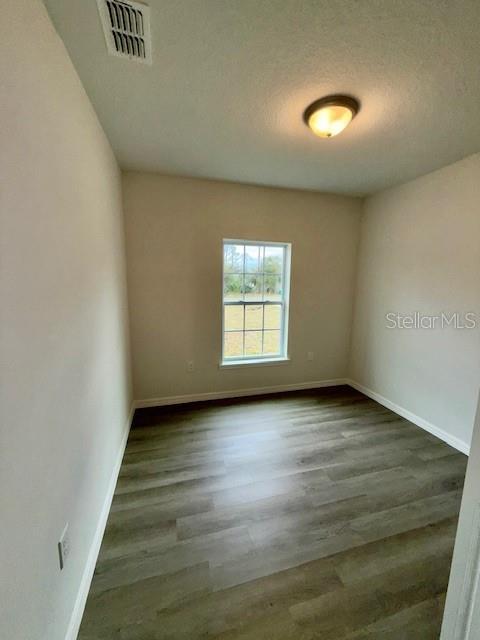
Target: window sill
[[267, 362]]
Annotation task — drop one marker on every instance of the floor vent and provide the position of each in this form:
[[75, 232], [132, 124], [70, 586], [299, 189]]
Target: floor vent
[[126, 26]]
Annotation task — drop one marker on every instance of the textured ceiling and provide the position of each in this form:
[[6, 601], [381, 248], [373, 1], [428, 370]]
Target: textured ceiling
[[230, 79]]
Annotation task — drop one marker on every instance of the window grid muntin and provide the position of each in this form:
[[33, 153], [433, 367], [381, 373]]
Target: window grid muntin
[[282, 302]]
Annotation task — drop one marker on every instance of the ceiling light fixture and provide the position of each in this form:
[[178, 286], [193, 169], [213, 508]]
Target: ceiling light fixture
[[329, 116]]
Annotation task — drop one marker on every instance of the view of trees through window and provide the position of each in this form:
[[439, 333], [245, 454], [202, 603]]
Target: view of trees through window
[[253, 300]]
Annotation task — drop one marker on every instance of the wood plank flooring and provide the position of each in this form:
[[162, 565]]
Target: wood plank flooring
[[299, 516]]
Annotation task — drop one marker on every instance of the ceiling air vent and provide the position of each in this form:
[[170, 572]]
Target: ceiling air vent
[[127, 29]]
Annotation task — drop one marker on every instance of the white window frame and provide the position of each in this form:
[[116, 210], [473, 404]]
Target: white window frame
[[268, 359]]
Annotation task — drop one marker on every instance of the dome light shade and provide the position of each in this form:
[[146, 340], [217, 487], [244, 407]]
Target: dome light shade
[[329, 116]]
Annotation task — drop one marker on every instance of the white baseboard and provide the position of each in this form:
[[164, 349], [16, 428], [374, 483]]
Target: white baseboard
[[236, 393], [454, 442], [79, 607]]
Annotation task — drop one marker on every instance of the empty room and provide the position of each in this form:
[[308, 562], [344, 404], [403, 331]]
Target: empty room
[[240, 320]]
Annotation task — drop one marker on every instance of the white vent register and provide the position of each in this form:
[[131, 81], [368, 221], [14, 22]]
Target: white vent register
[[126, 26]]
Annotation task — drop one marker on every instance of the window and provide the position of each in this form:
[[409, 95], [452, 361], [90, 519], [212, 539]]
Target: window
[[256, 278]]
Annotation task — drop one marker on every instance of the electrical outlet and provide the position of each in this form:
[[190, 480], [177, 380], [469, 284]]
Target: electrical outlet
[[310, 355], [64, 547], [190, 366]]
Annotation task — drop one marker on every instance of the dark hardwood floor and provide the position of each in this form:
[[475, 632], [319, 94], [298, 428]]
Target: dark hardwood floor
[[313, 515]]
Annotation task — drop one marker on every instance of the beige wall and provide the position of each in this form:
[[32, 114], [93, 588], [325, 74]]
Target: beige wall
[[174, 229], [65, 390], [420, 251]]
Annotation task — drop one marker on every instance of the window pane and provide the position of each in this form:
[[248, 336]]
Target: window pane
[[271, 342], [233, 287], [273, 288], [233, 344], [233, 258], [253, 287], [273, 262], [273, 316], [253, 343], [254, 317], [233, 318], [253, 259]]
